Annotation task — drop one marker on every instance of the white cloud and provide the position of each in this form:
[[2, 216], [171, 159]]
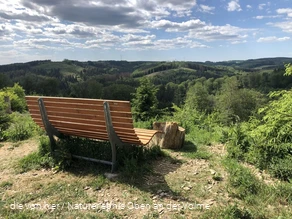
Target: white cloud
[[200, 30], [248, 6], [285, 26], [161, 44], [287, 11], [272, 39], [260, 17], [238, 42], [171, 26], [234, 6], [262, 6], [206, 8]]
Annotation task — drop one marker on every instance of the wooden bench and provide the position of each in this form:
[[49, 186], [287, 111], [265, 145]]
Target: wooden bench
[[107, 120]]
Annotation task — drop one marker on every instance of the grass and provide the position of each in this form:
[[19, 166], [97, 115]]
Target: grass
[[193, 151], [6, 184], [146, 176], [34, 161]]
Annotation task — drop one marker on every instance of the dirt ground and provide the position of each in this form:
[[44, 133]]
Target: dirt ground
[[178, 188]]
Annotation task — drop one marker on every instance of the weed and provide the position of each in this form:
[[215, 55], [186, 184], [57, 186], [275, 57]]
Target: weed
[[6, 184], [35, 161]]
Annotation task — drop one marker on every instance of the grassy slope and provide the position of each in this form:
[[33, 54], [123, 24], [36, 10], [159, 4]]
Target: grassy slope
[[173, 189], [66, 69]]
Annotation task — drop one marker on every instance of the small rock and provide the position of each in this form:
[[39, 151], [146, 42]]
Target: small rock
[[155, 197], [187, 179], [34, 174], [97, 188], [111, 176], [86, 187], [135, 199], [187, 188], [213, 172]]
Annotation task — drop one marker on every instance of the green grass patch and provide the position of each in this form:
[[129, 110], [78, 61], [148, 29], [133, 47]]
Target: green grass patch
[[229, 212], [35, 161], [6, 184], [193, 151], [246, 185]]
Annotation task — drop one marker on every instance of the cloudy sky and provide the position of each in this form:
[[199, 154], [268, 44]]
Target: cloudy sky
[[190, 30]]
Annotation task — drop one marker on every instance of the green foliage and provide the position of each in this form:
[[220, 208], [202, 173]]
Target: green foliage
[[266, 142], [238, 142], [198, 98], [39, 159], [282, 168], [229, 212], [4, 123], [44, 146], [21, 128], [35, 161], [17, 97], [145, 101], [246, 185], [288, 69], [236, 104], [193, 151]]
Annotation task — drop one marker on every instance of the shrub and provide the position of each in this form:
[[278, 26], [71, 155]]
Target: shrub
[[17, 97], [22, 127], [282, 168]]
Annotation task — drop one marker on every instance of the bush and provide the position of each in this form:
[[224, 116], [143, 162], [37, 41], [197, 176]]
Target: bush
[[4, 124], [22, 127], [282, 168], [17, 97]]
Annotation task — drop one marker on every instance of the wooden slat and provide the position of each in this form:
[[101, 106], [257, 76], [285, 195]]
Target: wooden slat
[[100, 128], [83, 116], [78, 100], [63, 111], [113, 107]]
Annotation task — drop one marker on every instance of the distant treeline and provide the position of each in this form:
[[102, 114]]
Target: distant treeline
[[119, 79]]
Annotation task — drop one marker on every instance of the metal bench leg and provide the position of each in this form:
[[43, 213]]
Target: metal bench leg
[[113, 137], [51, 131]]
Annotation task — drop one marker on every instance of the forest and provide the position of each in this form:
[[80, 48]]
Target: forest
[[244, 105]]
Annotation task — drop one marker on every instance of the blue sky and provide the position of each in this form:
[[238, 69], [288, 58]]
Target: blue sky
[[154, 30]]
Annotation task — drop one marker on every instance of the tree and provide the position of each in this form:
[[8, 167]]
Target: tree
[[145, 101], [288, 71], [198, 98], [234, 103]]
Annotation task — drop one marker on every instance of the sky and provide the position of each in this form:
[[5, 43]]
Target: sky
[[144, 30]]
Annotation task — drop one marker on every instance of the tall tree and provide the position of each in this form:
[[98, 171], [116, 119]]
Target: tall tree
[[145, 101]]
